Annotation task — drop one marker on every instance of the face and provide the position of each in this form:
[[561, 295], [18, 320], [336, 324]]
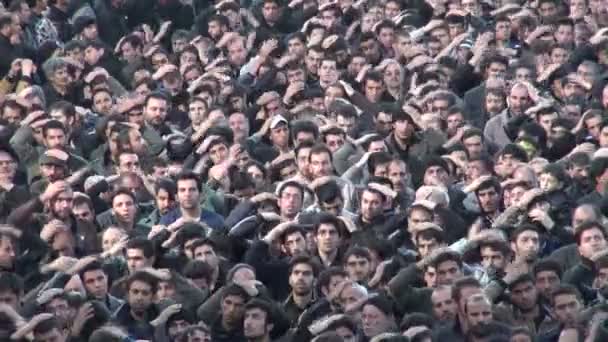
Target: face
[[313, 60], [165, 290], [296, 47], [526, 246], [239, 125], [494, 104], [489, 199], [564, 34], [444, 306], [62, 205], [435, 175], [92, 55], [591, 242], [546, 282], [136, 259], [320, 165], [301, 279], [96, 283], [218, 153], [140, 296], [290, 201], [448, 272], [271, 12], [374, 321], [102, 103], [295, 244], [478, 313], [548, 10], [52, 172], [373, 90], [593, 125], [559, 55], [188, 194], [83, 212], [328, 238], [111, 237], [397, 173], [503, 30], [155, 111], [7, 253], [496, 70], [519, 100], [55, 138], [8, 167], [358, 268], [426, 246], [255, 325], [371, 205], [237, 54], [547, 121], [124, 208], [207, 254], [566, 308], [524, 296], [50, 336], [280, 135], [491, 258], [328, 72]]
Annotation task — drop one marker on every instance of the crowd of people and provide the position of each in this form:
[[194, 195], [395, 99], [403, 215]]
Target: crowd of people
[[304, 170]]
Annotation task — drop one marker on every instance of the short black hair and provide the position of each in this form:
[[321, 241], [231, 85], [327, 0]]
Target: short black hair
[[10, 282], [564, 289], [263, 305], [189, 175], [304, 259], [143, 277], [143, 244], [545, 265]]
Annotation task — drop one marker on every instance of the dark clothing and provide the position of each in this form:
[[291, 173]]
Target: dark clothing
[[139, 330], [220, 334], [8, 53], [111, 22]]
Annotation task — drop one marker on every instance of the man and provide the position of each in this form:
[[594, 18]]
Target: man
[[444, 306], [139, 254], [448, 266], [302, 274], [229, 325], [590, 239], [547, 277], [567, 304], [139, 310], [258, 322], [9, 51], [598, 171], [291, 198], [494, 66], [487, 192], [205, 250], [528, 310], [525, 245], [165, 191], [518, 102], [478, 309], [95, 282], [377, 316], [462, 290], [188, 197], [358, 264], [329, 239]]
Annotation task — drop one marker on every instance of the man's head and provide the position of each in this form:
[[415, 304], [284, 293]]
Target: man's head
[[478, 309], [320, 161], [488, 195], [49, 330], [124, 206], [291, 198], [327, 234], [293, 241], [233, 303], [205, 250], [54, 134], [372, 204], [523, 293], [302, 273], [141, 288], [258, 320], [188, 190], [525, 243], [519, 99], [95, 280], [494, 254], [590, 238], [448, 266], [462, 289], [444, 306], [547, 277], [165, 191], [377, 316], [358, 264], [156, 107], [566, 302], [139, 254]]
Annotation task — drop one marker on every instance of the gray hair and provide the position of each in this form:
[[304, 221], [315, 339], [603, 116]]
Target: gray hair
[[53, 64]]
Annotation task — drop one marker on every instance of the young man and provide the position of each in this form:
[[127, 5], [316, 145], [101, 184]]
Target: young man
[[258, 321], [189, 190], [302, 274], [139, 310]]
